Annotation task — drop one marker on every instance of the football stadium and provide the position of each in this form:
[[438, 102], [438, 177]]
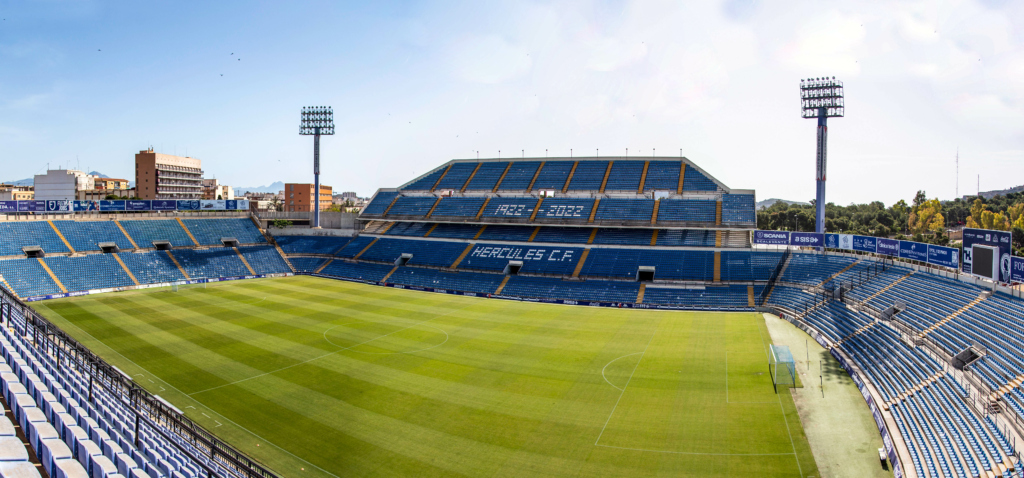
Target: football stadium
[[559, 316]]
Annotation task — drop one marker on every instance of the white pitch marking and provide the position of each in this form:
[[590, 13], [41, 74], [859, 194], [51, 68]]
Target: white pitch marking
[[694, 453], [218, 424], [624, 386], [205, 415], [190, 406], [609, 363], [240, 427], [446, 337]]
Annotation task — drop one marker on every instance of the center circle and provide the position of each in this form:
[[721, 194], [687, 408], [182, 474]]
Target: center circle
[[383, 339]]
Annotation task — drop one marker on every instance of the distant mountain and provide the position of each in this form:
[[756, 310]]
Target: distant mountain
[[273, 188], [772, 201], [20, 182], [992, 194], [98, 174]]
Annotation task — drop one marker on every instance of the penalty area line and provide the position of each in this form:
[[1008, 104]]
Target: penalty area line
[[694, 453], [623, 392]]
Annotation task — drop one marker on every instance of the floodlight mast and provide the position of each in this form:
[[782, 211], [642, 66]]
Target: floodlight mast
[[316, 121], [821, 98]]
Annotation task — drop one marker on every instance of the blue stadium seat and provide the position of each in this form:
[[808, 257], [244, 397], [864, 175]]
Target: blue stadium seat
[[89, 272], [510, 208], [86, 235], [307, 264], [519, 176], [497, 232], [738, 209], [17, 234], [536, 258], [638, 237], [379, 203], [311, 244], [27, 278], [487, 176], [426, 183], [151, 267], [687, 210], [588, 291], [458, 207], [663, 175], [572, 235], [625, 176], [686, 237], [461, 281], [694, 180], [210, 231], [411, 229], [414, 206], [457, 176], [588, 176], [264, 259], [361, 271], [145, 231], [210, 263], [668, 264], [630, 210], [565, 210], [553, 175], [455, 231], [425, 253]]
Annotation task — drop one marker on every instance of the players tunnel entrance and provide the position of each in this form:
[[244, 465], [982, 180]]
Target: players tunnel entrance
[[109, 247], [401, 261], [645, 274], [162, 245], [229, 241], [512, 269], [33, 251]]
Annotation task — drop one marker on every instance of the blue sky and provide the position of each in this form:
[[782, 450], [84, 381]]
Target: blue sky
[[415, 84]]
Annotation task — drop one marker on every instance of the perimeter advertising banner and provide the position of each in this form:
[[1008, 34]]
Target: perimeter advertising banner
[[888, 247], [8, 206], [188, 205], [86, 206], [59, 206], [778, 238], [111, 206], [914, 250], [944, 256], [840, 241], [138, 205], [164, 204], [864, 243], [999, 239], [806, 239], [1017, 269], [55, 206]]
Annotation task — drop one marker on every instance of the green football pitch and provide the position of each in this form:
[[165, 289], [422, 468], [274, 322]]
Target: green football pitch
[[316, 377]]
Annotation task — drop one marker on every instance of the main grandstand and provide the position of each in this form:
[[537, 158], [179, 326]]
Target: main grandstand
[[940, 361]]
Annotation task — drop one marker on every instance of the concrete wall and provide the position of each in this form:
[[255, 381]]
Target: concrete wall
[[328, 220]]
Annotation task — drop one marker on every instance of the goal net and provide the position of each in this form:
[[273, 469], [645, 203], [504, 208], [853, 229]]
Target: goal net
[[181, 285], [781, 366]]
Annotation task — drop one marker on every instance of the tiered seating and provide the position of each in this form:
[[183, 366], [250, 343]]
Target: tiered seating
[[455, 231], [29, 233], [412, 206], [813, 269], [354, 246], [435, 279], [93, 271], [572, 235], [536, 259], [552, 175], [380, 203], [625, 176], [487, 176], [686, 237], [623, 263], [145, 231], [306, 264], [361, 271], [687, 210], [210, 263], [519, 176], [510, 208], [662, 175], [588, 176], [738, 209], [27, 277], [639, 237], [427, 253], [79, 430], [426, 182], [456, 176], [733, 296], [748, 266], [413, 229], [458, 207], [311, 244], [693, 180], [86, 235], [264, 259], [565, 209], [209, 231], [592, 290], [152, 267], [495, 232], [635, 210]]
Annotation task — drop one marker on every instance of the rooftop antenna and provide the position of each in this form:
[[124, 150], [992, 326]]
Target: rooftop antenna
[[627, 152], [524, 153], [957, 172]]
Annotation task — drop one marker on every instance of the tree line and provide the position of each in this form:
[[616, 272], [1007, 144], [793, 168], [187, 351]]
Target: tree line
[[922, 220]]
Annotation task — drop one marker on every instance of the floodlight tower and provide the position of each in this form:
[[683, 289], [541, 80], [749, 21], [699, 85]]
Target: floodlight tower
[[821, 98], [316, 120]]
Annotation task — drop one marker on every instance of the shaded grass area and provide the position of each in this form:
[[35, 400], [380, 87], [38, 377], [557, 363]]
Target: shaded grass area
[[316, 377], [839, 425]]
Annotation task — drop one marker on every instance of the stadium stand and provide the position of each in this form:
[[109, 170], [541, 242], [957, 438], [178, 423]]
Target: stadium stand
[[380, 203], [413, 206], [519, 176], [662, 175], [311, 244], [264, 259], [210, 231], [458, 207], [211, 263], [456, 176], [553, 175], [92, 271], [687, 210], [152, 267], [27, 278], [625, 176], [29, 233], [487, 176], [308, 265], [625, 210], [87, 235], [145, 231], [588, 176]]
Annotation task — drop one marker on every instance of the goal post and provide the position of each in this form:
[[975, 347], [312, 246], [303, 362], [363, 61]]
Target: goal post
[[177, 285], [781, 366]]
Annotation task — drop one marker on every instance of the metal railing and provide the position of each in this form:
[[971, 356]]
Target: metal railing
[[213, 455]]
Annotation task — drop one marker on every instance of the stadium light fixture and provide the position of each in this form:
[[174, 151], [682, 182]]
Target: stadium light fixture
[[821, 98], [316, 121]]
